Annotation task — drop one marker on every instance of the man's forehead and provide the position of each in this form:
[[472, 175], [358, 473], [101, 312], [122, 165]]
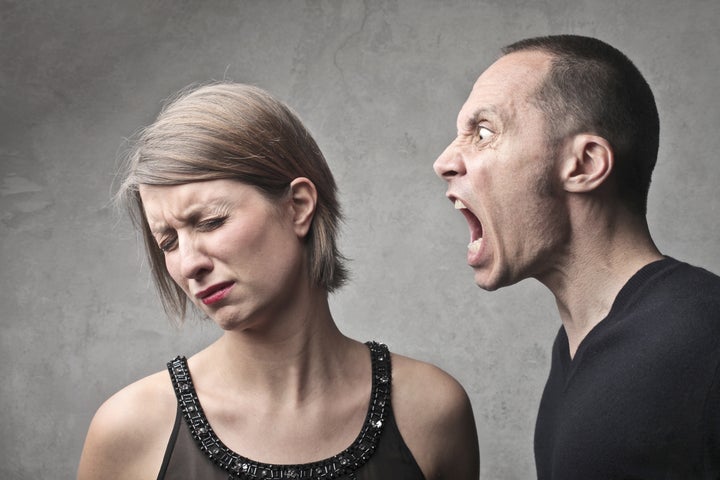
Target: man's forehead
[[524, 68], [506, 83]]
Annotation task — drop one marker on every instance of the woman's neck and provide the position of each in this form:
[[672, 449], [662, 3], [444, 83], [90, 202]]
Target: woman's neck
[[285, 360]]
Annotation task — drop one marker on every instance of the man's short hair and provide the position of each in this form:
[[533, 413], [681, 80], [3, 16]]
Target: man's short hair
[[592, 87]]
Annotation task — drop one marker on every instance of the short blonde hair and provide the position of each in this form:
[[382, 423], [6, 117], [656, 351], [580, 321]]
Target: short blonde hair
[[239, 132]]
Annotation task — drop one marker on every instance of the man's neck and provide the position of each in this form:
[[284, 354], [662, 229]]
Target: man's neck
[[589, 278]]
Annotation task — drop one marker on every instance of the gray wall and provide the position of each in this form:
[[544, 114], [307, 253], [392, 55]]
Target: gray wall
[[379, 83]]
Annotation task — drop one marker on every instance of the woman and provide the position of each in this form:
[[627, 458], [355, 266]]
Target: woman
[[239, 213]]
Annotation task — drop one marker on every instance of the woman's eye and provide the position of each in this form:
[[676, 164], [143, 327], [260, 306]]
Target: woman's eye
[[484, 133], [167, 245], [211, 224]]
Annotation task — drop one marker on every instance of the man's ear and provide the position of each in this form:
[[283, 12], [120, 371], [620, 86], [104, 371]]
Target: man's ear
[[588, 162], [304, 200]]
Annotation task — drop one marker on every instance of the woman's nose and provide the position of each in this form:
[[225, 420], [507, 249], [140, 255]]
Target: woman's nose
[[194, 261]]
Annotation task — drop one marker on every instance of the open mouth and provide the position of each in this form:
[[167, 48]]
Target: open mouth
[[476, 230]]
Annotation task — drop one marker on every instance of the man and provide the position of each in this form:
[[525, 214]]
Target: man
[[551, 167]]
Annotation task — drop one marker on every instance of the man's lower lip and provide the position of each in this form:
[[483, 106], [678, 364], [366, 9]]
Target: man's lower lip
[[474, 252], [217, 296]]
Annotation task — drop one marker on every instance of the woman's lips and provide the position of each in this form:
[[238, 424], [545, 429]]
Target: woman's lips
[[215, 293]]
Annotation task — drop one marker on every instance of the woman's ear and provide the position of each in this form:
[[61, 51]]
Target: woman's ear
[[588, 162], [304, 200]]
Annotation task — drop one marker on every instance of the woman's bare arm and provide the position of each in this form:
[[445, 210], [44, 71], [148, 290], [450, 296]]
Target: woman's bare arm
[[129, 433], [435, 418]]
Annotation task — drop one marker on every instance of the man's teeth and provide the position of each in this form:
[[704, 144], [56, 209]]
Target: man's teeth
[[474, 247], [459, 205]]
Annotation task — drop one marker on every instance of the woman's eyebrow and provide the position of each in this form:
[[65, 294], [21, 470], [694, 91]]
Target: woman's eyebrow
[[189, 214], [192, 214]]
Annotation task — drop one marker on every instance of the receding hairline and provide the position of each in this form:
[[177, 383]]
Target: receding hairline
[[494, 111]]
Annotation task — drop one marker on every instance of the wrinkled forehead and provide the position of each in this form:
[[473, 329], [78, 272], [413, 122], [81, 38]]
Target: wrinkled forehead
[[164, 203]]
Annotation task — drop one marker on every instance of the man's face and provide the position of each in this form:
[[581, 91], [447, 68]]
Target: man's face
[[502, 175]]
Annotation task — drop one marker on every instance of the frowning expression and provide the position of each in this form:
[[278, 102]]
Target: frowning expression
[[501, 174], [233, 252]]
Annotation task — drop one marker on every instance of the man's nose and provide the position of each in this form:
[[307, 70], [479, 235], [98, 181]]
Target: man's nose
[[449, 164]]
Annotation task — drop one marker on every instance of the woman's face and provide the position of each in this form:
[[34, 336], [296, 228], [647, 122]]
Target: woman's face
[[236, 255]]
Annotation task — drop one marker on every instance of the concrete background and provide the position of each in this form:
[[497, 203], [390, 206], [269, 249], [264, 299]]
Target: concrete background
[[379, 83]]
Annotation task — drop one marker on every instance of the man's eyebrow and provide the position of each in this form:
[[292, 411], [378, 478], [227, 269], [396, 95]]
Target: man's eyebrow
[[478, 115]]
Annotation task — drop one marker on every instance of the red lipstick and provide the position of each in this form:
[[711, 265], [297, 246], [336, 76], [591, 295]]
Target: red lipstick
[[215, 292]]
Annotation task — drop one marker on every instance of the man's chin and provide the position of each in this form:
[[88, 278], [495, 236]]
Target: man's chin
[[485, 281], [492, 280]]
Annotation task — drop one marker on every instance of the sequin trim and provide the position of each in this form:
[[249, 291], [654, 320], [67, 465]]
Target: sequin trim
[[242, 468]]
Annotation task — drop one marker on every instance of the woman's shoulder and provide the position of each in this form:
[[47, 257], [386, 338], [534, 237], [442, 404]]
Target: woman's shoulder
[[425, 384], [434, 416], [130, 430], [139, 404]]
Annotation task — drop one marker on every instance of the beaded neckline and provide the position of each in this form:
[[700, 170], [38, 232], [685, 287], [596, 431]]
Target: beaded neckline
[[242, 468]]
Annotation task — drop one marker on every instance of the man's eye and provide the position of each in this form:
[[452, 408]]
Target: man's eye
[[484, 133]]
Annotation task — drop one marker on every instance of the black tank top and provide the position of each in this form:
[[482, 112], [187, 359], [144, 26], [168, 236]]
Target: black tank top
[[378, 452]]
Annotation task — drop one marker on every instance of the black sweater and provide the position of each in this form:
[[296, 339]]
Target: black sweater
[[641, 397]]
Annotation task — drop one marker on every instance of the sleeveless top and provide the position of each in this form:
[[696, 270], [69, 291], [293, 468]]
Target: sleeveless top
[[379, 452]]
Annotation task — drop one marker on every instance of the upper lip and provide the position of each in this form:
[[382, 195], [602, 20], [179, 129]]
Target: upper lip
[[212, 289]]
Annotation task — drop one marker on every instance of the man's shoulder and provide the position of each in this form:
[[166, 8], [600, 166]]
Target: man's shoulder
[[677, 281], [679, 269], [676, 302]]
